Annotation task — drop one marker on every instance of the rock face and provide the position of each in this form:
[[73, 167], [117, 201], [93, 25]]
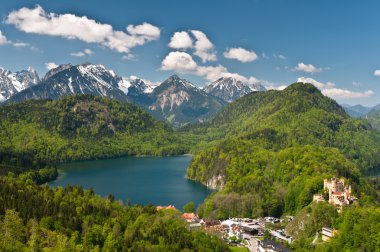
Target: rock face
[[216, 182], [230, 89], [180, 102], [12, 83]]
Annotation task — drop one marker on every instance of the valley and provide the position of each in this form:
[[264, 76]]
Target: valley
[[265, 153]]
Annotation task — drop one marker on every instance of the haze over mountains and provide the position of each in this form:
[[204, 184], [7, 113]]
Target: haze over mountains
[[176, 100]]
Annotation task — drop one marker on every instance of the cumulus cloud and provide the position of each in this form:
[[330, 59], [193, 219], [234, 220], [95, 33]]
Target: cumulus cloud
[[3, 39], [317, 84], [70, 26], [330, 90], [182, 62], [201, 45], [82, 54], [240, 54], [146, 30], [204, 49], [308, 68], [179, 62], [50, 65], [376, 72], [181, 40]]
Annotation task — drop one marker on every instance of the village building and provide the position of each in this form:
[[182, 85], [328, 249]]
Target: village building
[[267, 245], [190, 217], [328, 233]]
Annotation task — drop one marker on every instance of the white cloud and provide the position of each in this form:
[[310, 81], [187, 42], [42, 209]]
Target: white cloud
[[240, 54], [179, 62], [330, 90], [204, 49], [20, 44], [376, 72], [338, 93], [318, 84], [182, 62], [275, 87], [3, 39], [70, 26], [78, 54], [308, 68], [82, 54], [181, 40], [50, 65], [146, 30], [88, 51]]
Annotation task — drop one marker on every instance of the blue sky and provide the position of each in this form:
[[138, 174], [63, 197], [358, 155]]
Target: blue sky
[[334, 44]]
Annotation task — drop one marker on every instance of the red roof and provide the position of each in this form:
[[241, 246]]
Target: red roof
[[188, 216]]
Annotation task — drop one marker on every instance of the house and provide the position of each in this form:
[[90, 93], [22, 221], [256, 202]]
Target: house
[[190, 217], [271, 246], [195, 226], [328, 233]]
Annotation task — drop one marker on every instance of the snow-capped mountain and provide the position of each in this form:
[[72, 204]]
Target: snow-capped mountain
[[80, 79], [176, 100], [180, 102], [230, 89], [12, 83], [138, 87]]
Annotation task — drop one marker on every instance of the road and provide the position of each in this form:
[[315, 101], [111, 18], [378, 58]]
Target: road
[[252, 245]]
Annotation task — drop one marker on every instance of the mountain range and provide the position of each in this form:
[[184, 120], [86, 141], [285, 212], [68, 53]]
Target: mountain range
[[356, 111], [176, 100], [12, 83]]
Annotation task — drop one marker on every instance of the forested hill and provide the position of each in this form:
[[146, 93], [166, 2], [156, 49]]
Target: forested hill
[[297, 116], [39, 218], [271, 151], [40, 132]]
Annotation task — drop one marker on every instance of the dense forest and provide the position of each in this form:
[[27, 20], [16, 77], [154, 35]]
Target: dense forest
[[297, 116], [40, 133], [39, 218]]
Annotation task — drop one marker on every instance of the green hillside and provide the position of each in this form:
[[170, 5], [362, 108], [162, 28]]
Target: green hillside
[[374, 117], [297, 116], [36, 133], [39, 218], [269, 152]]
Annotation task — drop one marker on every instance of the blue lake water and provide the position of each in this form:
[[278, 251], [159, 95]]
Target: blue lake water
[[142, 180]]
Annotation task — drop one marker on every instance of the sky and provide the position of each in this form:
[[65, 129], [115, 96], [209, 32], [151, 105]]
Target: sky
[[331, 44]]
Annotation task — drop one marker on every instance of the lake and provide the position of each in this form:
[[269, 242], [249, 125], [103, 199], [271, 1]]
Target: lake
[[142, 180]]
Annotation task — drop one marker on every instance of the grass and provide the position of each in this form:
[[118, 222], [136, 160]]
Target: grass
[[238, 249]]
